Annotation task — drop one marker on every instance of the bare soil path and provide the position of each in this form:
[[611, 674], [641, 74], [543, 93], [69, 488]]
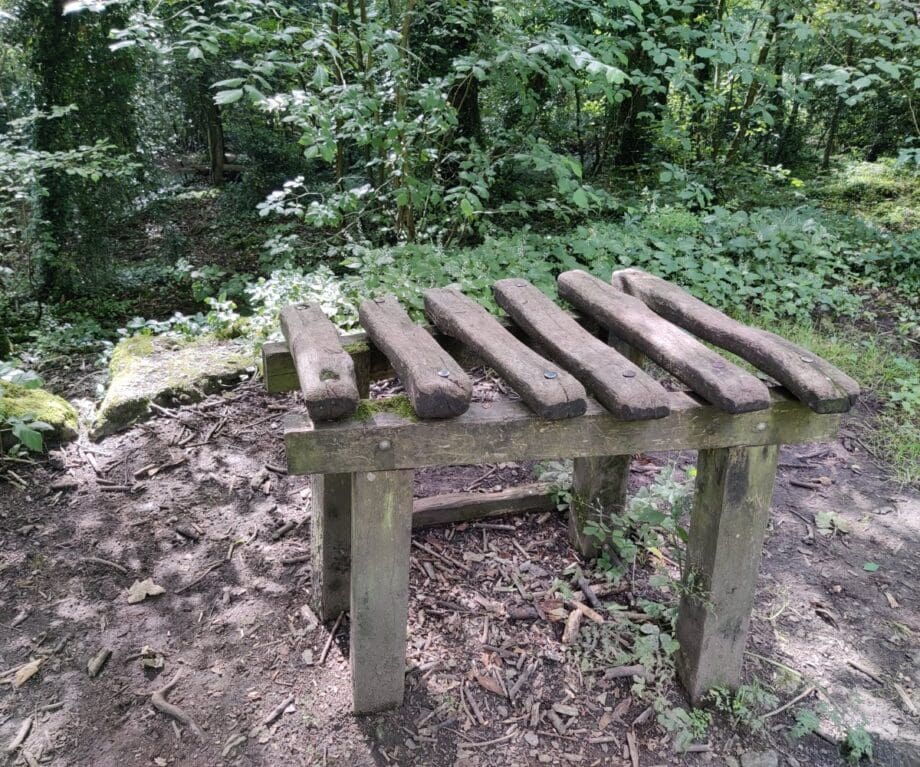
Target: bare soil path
[[195, 500]]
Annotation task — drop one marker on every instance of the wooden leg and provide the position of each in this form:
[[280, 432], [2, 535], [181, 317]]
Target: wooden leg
[[381, 534], [734, 487], [599, 493], [599, 483], [331, 543]]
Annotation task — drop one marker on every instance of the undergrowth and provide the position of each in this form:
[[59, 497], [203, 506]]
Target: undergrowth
[[651, 533]]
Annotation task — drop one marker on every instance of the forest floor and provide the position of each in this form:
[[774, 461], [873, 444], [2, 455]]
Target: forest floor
[[232, 628]]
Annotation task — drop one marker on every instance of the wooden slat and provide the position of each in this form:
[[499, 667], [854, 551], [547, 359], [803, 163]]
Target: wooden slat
[[325, 370], [280, 375], [436, 385], [813, 380], [708, 374], [466, 507], [619, 385], [551, 392], [509, 431]]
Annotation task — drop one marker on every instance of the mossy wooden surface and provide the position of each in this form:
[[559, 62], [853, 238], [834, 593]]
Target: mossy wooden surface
[[18, 402], [397, 405], [509, 431], [162, 370]]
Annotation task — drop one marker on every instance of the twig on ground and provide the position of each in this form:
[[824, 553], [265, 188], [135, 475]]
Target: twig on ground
[[105, 562], [325, 652], [201, 577], [21, 734], [791, 703], [159, 702], [277, 711]]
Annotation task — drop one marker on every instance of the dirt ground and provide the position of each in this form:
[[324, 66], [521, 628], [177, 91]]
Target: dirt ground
[[251, 666]]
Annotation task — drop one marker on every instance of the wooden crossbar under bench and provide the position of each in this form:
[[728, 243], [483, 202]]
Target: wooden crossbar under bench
[[581, 397]]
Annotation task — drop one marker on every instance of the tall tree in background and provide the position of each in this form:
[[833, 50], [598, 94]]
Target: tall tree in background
[[72, 64]]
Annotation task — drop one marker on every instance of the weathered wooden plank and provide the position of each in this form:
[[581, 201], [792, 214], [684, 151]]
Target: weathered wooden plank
[[727, 526], [381, 531], [508, 431], [436, 386], [708, 374], [812, 379], [371, 364], [465, 507], [599, 485], [551, 393], [325, 371], [619, 385], [330, 542]]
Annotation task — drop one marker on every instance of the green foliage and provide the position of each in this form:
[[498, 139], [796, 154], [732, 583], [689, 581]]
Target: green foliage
[[25, 428], [744, 706], [652, 523], [857, 743], [685, 727]]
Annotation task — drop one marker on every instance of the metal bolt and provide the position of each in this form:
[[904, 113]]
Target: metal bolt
[[762, 426], [379, 299], [551, 374], [444, 373], [807, 359], [629, 374], [384, 444]]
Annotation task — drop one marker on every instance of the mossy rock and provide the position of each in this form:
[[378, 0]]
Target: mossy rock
[[166, 371], [17, 401]]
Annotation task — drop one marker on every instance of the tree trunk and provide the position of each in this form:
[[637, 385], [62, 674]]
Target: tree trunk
[[832, 134], [753, 89], [215, 130]]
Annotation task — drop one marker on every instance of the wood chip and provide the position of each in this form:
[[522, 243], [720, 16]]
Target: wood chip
[[572, 624]]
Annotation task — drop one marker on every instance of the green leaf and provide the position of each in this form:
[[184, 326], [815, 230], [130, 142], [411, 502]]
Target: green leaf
[[28, 436], [195, 53], [870, 567], [705, 53], [888, 68], [580, 199], [228, 97]]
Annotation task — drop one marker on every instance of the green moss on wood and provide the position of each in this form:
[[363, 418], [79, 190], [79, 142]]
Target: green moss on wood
[[17, 402], [358, 347], [398, 405]]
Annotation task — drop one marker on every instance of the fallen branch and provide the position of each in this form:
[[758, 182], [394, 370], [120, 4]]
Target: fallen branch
[[201, 577], [106, 562], [21, 734], [791, 703], [158, 699], [325, 652], [277, 711]]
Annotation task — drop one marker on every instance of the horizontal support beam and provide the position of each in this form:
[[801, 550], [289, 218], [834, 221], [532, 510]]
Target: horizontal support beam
[[509, 431], [468, 507]]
